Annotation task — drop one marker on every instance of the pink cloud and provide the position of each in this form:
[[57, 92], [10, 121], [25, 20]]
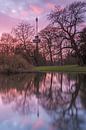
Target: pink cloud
[[24, 13], [36, 9], [50, 5]]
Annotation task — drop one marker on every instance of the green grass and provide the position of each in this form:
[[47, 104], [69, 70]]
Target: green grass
[[65, 68]]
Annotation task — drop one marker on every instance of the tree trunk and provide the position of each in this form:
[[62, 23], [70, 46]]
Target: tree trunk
[[78, 55], [61, 55], [51, 57]]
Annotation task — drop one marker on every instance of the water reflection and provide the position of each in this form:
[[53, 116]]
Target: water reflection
[[41, 101]]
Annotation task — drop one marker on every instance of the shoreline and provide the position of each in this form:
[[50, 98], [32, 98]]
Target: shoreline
[[41, 69]]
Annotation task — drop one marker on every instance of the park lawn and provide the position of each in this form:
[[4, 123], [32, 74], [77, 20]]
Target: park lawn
[[65, 68]]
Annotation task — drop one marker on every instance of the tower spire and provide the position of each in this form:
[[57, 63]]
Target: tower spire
[[36, 26], [37, 41]]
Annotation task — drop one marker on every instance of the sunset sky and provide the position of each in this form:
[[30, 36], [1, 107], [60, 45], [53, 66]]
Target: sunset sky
[[13, 11]]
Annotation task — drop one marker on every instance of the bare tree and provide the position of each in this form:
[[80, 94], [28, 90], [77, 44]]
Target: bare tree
[[83, 44], [24, 32], [49, 43], [69, 20], [7, 43]]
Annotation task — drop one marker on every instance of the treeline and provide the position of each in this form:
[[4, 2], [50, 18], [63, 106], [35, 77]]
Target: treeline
[[63, 41]]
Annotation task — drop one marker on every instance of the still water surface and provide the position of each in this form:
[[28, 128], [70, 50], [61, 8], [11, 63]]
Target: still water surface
[[43, 101]]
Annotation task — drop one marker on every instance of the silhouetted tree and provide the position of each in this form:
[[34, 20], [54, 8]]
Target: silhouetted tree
[[68, 20], [6, 43], [46, 39], [50, 46], [82, 47], [24, 33]]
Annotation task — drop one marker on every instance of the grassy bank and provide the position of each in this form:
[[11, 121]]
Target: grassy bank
[[65, 68], [31, 69]]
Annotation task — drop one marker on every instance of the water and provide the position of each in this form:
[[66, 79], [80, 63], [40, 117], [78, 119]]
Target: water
[[43, 101]]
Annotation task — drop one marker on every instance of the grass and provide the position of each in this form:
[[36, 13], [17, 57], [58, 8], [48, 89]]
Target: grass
[[65, 68]]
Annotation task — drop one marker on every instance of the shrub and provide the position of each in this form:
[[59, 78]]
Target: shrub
[[13, 62]]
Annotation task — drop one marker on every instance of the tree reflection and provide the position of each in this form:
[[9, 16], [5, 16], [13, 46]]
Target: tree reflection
[[61, 102], [82, 82], [21, 90]]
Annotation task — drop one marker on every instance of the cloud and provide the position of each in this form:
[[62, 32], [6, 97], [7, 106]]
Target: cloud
[[50, 5], [24, 13], [7, 22], [12, 10], [36, 9], [15, 8]]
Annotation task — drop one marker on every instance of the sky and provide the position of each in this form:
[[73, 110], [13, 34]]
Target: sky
[[14, 11]]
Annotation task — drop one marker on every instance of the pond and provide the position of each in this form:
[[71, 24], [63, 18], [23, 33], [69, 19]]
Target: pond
[[43, 101]]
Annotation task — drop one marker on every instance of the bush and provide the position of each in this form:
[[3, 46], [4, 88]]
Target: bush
[[13, 63]]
